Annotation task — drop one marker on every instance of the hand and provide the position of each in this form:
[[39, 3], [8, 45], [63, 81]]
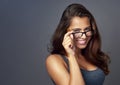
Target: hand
[[68, 43]]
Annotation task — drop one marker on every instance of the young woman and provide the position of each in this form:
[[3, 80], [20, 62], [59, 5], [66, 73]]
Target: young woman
[[76, 57]]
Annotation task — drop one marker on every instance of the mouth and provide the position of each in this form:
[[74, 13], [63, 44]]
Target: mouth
[[81, 42]]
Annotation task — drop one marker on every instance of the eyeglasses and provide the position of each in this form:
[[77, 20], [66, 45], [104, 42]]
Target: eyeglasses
[[80, 34]]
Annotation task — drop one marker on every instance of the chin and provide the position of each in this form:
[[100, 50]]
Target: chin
[[81, 46]]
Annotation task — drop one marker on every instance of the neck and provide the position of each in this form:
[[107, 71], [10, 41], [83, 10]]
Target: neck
[[79, 55]]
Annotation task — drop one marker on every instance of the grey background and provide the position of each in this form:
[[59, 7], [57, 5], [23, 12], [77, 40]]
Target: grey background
[[26, 27]]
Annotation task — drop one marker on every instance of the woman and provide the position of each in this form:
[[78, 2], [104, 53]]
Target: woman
[[76, 57]]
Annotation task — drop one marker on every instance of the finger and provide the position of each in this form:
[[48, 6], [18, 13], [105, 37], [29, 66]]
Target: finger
[[68, 33], [71, 36], [67, 41]]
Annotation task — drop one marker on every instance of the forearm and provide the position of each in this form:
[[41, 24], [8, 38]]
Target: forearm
[[75, 73]]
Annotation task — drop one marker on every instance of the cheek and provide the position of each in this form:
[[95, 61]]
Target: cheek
[[88, 39]]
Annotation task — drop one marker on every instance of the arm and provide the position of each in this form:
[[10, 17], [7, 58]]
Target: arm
[[75, 73], [58, 71]]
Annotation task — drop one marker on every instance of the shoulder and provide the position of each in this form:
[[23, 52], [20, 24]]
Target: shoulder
[[57, 69], [54, 59]]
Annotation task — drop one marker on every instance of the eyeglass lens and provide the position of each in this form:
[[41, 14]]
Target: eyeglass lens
[[80, 34]]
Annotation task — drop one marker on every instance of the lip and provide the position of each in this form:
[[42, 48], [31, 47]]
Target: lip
[[82, 42]]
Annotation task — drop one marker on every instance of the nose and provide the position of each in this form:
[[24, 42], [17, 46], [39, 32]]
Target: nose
[[83, 36]]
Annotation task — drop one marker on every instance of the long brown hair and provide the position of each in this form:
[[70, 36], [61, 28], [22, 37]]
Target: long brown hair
[[93, 51]]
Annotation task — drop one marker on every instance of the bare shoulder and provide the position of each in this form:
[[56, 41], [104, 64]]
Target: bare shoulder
[[57, 70], [53, 57], [53, 60]]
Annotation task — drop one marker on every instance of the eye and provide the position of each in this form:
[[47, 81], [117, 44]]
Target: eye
[[87, 29], [76, 30]]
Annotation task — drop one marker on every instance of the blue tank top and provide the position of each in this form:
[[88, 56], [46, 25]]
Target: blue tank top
[[95, 77]]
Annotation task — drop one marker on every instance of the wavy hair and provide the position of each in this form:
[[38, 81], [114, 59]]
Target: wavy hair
[[92, 52]]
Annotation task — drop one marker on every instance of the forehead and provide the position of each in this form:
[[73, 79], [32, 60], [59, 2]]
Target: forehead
[[79, 22]]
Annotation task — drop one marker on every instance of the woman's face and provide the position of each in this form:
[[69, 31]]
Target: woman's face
[[81, 31]]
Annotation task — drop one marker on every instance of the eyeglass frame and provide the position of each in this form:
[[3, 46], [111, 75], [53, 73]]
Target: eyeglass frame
[[84, 33]]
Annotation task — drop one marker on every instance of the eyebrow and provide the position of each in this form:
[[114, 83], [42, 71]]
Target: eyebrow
[[78, 29]]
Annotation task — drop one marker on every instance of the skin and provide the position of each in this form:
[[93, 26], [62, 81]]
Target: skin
[[80, 24], [56, 66]]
